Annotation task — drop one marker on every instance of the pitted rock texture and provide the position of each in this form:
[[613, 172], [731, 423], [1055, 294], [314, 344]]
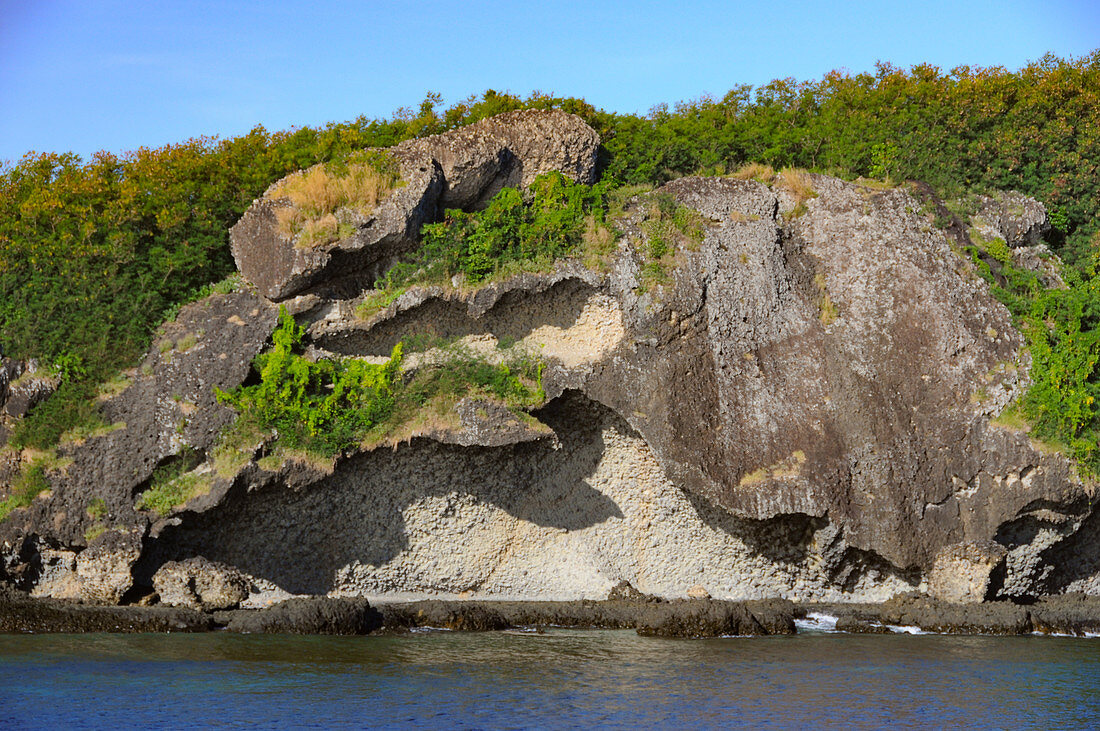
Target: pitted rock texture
[[166, 405], [200, 584], [104, 569], [281, 267], [964, 573], [462, 168], [803, 410], [1014, 217]]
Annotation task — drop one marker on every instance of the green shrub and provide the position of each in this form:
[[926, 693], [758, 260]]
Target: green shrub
[[322, 406]]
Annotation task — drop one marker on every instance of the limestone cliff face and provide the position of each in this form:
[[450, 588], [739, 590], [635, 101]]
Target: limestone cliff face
[[803, 410]]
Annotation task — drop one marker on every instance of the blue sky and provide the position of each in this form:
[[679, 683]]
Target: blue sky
[[84, 76]]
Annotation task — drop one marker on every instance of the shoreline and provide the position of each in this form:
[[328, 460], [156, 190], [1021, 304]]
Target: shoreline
[[1066, 615]]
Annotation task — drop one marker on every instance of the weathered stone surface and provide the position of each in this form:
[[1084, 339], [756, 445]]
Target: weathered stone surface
[[163, 407], [58, 577], [316, 616], [22, 387], [462, 168], [1014, 217], [963, 573], [1043, 262], [282, 268], [200, 584], [509, 150], [19, 613], [704, 618], [104, 569]]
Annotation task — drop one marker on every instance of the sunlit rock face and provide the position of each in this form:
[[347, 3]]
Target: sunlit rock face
[[803, 408]]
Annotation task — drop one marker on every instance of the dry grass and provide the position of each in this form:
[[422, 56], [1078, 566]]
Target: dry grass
[[755, 171], [789, 467], [316, 194], [597, 245], [798, 183], [827, 311]]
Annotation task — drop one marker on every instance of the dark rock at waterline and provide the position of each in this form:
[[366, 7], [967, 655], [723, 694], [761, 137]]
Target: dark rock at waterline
[[1071, 614], [22, 614], [931, 615], [704, 618], [309, 616], [854, 625]]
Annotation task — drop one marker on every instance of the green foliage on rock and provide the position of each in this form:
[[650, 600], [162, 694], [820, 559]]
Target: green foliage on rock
[[326, 407], [321, 406], [517, 230], [1062, 328]]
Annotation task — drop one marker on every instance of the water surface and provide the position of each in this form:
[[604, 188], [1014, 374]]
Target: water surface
[[563, 678]]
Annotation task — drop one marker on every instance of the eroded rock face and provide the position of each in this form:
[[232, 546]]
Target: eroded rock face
[[964, 573], [200, 584], [804, 409], [1014, 217], [462, 168], [104, 569]]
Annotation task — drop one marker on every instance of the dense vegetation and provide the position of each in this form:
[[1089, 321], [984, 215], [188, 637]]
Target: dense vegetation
[[323, 407], [93, 254]]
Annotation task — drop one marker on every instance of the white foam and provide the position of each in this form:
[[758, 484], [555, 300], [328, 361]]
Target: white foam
[[816, 622], [906, 629]]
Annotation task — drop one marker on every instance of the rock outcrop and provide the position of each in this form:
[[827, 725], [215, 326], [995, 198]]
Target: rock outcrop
[[802, 407], [458, 169]]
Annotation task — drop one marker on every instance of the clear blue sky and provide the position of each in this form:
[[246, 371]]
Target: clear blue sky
[[114, 75]]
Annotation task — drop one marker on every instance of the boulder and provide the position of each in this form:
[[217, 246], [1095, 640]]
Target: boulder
[[462, 168], [282, 267], [310, 616], [1018, 219], [24, 386], [57, 575], [933, 615], [509, 150], [104, 568], [963, 573], [200, 584]]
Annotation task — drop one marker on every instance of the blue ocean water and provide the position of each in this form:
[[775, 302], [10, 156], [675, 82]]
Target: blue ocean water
[[560, 679]]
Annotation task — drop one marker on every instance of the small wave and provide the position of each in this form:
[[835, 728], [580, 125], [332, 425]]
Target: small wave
[[816, 622], [907, 629]]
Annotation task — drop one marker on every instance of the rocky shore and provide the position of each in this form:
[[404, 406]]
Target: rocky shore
[[1074, 615]]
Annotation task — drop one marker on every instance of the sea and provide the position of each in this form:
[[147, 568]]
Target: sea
[[557, 678]]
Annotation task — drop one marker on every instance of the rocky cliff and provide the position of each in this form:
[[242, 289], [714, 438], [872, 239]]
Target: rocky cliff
[[802, 405]]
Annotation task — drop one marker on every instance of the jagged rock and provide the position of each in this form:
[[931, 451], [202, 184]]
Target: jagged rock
[[281, 268], [1014, 217], [58, 577], [104, 569], [963, 573], [1040, 260], [707, 618], [165, 406], [21, 614], [509, 150], [462, 168], [1070, 614], [315, 616], [23, 386], [200, 584]]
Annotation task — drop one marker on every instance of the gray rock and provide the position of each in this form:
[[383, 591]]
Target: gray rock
[[104, 569], [963, 573], [200, 584], [1018, 219], [509, 150], [281, 268]]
